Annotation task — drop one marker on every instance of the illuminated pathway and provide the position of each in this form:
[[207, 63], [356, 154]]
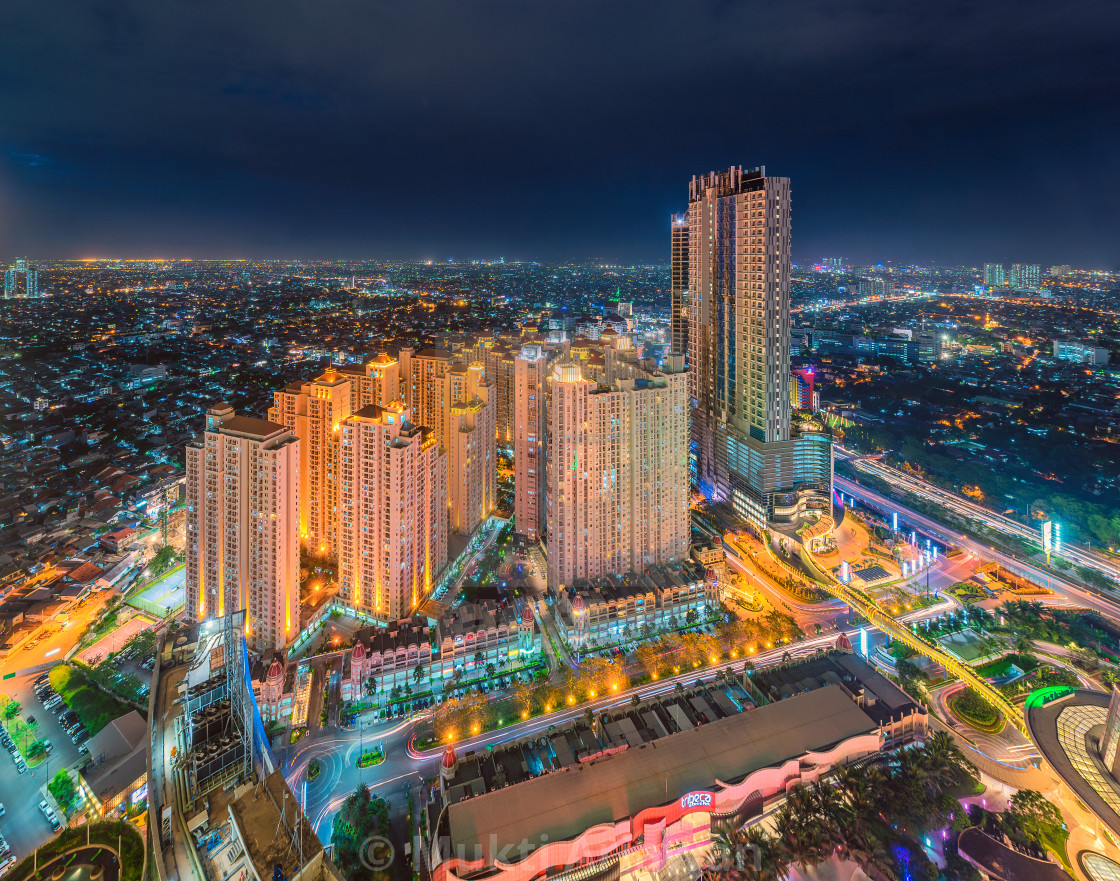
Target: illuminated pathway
[[864, 605]]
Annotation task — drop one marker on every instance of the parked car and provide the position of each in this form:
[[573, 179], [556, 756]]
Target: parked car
[[20, 766], [49, 813]]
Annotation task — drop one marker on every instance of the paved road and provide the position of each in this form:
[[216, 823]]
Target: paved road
[[61, 638], [942, 533], [966, 508], [404, 768], [23, 825]]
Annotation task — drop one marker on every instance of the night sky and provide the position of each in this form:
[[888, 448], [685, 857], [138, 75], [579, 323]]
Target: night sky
[[548, 130]]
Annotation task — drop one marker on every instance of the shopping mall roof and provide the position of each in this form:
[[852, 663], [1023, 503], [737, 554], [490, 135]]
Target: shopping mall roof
[[565, 803]]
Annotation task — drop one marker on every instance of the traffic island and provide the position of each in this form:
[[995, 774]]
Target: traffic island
[[973, 710], [370, 758]]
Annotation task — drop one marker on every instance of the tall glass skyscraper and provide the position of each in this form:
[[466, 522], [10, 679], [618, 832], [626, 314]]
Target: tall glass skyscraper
[[744, 448]]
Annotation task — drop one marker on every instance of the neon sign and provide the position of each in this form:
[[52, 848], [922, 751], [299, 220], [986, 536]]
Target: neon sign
[[696, 800]]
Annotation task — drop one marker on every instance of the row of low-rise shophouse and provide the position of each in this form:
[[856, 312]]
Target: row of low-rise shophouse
[[476, 641]]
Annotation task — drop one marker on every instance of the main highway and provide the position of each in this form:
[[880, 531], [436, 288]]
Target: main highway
[[1092, 599], [966, 508]]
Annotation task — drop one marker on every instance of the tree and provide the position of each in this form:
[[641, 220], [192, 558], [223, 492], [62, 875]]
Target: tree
[[1035, 818], [11, 710], [360, 817], [63, 789], [1024, 645], [691, 617], [164, 557]]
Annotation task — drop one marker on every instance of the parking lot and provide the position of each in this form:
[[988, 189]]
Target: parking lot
[[23, 825]]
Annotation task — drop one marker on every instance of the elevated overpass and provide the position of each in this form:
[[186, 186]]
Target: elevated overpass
[[864, 605]]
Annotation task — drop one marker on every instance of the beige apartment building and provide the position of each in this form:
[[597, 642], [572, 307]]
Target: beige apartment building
[[314, 411], [529, 424], [459, 402], [242, 526], [617, 469], [393, 512], [378, 381]]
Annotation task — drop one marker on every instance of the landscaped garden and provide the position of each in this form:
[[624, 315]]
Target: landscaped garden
[[106, 834], [971, 708], [968, 593], [371, 757], [358, 833]]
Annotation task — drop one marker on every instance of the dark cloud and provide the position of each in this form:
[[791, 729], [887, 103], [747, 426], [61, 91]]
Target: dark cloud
[[914, 131]]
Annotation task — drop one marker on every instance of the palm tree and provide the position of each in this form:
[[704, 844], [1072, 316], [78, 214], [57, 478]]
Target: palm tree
[[798, 836], [829, 812], [744, 855], [991, 645], [1024, 645], [860, 788]]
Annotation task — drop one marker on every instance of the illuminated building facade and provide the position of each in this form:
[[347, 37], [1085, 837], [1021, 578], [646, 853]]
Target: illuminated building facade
[[393, 512], [378, 381], [994, 275], [617, 469], [743, 450], [242, 526], [679, 319], [471, 445], [530, 377], [21, 280], [1025, 276], [314, 411]]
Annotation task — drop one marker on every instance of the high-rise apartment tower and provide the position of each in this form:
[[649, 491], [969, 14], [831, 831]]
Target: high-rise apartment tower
[[680, 304], [242, 526], [744, 450], [21, 280], [393, 512], [529, 378], [617, 460], [314, 411], [994, 275]]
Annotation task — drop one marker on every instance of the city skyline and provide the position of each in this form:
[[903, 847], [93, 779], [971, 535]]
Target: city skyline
[[317, 135], [696, 456]]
